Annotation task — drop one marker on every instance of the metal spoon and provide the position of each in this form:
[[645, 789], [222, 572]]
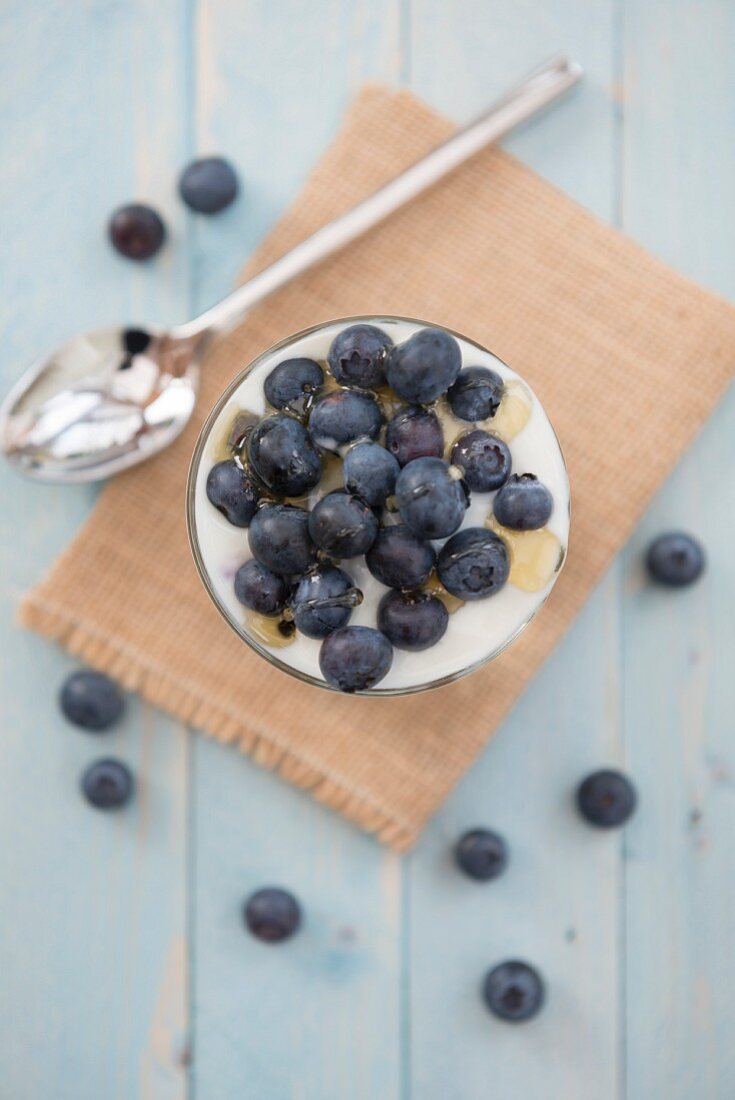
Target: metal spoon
[[111, 398]]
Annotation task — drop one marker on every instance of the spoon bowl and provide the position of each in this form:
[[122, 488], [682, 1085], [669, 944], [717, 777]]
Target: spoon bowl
[[100, 403]]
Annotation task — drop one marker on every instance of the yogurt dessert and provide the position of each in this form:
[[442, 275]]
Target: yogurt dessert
[[377, 505]]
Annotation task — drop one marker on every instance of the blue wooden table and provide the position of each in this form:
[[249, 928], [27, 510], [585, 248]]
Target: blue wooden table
[[124, 968]]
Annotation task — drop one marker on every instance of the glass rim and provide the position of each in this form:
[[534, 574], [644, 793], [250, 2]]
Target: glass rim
[[191, 481]]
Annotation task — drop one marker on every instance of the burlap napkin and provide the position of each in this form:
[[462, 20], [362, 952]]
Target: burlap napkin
[[628, 358]]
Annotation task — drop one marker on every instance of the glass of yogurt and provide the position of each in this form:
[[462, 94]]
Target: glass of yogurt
[[378, 505]]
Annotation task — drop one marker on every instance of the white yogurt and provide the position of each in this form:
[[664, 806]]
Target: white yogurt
[[477, 630]]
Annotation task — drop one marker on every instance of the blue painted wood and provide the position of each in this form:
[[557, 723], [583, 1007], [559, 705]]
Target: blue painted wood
[[677, 654], [557, 905], [92, 952], [111, 926], [321, 1018]]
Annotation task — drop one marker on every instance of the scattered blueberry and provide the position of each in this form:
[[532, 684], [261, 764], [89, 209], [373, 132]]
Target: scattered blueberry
[[523, 504], [425, 366], [370, 473], [484, 458], [414, 621], [514, 991], [91, 700], [283, 456], [675, 559], [272, 914], [323, 601], [473, 564], [481, 854], [430, 500], [606, 799], [107, 784], [136, 231], [355, 658], [279, 539], [343, 417], [208, 185], [342, 525], [414, 433], [358, 354], [233, 492], [476, 394], [399, 559], [291, 381], [259, 589]]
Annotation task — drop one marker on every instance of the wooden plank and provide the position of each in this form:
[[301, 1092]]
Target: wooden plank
[[557, 905], [679, 178], [320, 1016], [93, 1000]]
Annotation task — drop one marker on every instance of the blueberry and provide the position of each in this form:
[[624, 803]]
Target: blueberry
[[107, 784], [523, 504], [291, 381], [476, 394], [272, 914], [283, 456], [136, 231], [413, 433], [514, 991], [370, 473], [606, 799], [323, 601], [91, 700], [259, 589], [425, 366], [430, 500], [344, 417], [473, 564], [357, 356], [342, 525], [279, 539], [675, 559], [399, 559], [208, 185], [355, 658], [412, 620], [233, 492], [484, 458], [481, 854]]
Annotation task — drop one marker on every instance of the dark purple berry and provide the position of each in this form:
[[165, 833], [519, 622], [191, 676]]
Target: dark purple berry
[[412, 620], [414, 432], [514, 991], [358, 354], [342, 525], [283, 456], [370, 473], [136, 231], [476, 394], [399, 559], [107, 784], [431, 501], [606, 799], [481, 854], [484, 458], [279, 538], [259, 589], [291, 381], [675, 559], [425, 366], [473, 564], [343, 417], [523, 504], [355, 658], [91, 700], [233, 492], [272, 914], [323, 600], [208, 185]]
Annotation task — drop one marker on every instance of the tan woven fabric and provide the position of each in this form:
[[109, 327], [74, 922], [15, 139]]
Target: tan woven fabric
[[494, 252]]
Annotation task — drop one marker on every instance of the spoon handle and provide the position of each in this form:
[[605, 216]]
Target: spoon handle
[[539, 88]]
